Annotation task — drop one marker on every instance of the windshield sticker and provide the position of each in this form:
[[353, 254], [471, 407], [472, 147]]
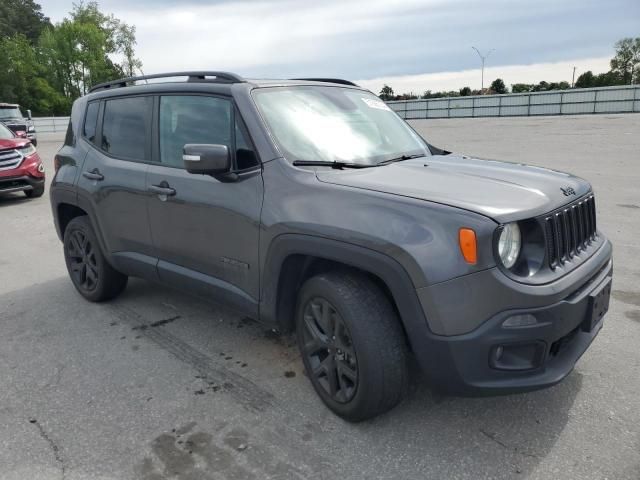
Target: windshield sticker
[[373, 103]]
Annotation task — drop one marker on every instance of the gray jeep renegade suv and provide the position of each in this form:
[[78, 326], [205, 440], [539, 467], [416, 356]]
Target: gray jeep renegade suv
[[309, 205]]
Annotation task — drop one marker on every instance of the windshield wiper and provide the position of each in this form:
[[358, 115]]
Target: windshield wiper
[[400, 158], [323, 163]]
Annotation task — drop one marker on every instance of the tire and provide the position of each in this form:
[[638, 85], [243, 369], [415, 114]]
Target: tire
[[35, 192], [91, 274], [365, 338]]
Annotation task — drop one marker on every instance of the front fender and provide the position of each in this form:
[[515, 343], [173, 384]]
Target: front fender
[[382, 266]]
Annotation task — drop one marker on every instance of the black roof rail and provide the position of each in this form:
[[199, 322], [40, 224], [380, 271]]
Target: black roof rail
[[199, 76], [329, 80]]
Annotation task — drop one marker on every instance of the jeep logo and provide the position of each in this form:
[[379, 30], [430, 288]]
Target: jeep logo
[[568, 191]]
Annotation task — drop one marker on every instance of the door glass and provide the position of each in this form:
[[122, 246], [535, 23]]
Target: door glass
[[125, 127], [192, 119]]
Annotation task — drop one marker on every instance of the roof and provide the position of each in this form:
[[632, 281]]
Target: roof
[[8, 105]]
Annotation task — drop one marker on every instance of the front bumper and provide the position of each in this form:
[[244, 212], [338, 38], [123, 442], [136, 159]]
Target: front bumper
[[466, 364], [19, 183]]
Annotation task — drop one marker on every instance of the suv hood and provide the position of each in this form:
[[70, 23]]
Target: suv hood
[[499, 190]]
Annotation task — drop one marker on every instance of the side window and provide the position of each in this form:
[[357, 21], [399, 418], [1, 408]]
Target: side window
[[192, 119], [245, 155], [125, 127], [91, 121]]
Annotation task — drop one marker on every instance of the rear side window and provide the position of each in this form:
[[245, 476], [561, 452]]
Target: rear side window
[[91, 122], [192, 119], [125, 127]]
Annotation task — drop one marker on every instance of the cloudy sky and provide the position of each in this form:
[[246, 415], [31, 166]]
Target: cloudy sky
[[413, 45]]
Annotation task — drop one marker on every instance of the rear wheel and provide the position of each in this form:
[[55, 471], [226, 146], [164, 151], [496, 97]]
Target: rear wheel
[[91, 274], [352, 345], [35, 192]]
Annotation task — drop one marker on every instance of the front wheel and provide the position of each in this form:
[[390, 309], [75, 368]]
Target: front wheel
[[352, 345], [91, 274]]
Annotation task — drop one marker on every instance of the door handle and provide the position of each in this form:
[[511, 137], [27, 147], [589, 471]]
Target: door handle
[[93, 175], [163, 189]]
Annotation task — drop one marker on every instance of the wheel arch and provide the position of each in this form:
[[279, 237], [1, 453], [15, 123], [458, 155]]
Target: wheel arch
[[292, 258]]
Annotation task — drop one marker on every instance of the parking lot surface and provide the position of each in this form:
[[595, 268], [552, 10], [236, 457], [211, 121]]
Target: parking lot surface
[[158, 385]]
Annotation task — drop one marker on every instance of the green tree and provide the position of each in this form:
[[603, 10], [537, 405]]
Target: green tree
[[386, 93], [521, 87], [78, 51], [498, 86], [465, 91], [21, 78], [627, 59], [22, 17]]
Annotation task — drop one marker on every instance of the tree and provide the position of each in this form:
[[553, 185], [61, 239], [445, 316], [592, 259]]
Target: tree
[[21, 78], [386, 93], [465, 91], [627, 59], [498, 86], [79, 51], [22, 17], [521, 87]]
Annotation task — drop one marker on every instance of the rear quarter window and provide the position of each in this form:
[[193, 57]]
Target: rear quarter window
[[91, 122]]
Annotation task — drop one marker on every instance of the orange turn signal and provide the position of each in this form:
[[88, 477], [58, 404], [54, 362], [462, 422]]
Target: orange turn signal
[[468, 245]]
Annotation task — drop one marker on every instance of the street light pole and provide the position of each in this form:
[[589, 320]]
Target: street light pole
[[482, 59]]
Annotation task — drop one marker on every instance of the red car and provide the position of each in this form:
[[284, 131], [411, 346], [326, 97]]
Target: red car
[[21, 169]]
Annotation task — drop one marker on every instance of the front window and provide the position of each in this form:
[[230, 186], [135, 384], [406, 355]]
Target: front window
[[333, 124], [7, 113], [5, 133]]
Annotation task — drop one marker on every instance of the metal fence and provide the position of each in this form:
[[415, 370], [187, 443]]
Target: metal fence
[[623, 99], [50, 124]]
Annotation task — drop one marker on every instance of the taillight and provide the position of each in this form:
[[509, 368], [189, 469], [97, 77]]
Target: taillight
[[56, 163]]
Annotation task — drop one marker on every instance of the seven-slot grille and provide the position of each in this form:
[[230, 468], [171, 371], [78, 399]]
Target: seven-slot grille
[[570, 231], [10, 159]]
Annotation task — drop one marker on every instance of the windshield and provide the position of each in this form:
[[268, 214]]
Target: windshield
[[5, 133], [10, 112], [333, 124]]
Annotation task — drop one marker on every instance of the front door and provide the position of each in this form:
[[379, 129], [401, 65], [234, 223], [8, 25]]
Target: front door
[[205, 230]]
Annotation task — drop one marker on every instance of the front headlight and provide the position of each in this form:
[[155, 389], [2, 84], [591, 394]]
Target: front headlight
[[31, 128], [509, 244], [28, 150]]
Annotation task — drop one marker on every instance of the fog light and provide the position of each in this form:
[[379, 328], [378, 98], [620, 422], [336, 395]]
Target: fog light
[[522, 320], [519, 356]]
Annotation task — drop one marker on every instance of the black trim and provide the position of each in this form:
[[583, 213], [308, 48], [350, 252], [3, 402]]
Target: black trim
[[382, 266]]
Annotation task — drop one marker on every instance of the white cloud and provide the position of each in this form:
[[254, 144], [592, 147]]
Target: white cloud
[[445, 81]]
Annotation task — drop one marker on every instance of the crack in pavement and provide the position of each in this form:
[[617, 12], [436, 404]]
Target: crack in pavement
[[493, 437], [53, 446]]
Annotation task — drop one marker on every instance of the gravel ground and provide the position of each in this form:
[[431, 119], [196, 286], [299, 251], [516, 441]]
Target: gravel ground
[[157, 385]]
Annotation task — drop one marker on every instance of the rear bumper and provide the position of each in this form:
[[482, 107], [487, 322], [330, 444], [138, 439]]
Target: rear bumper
[[469, 364]]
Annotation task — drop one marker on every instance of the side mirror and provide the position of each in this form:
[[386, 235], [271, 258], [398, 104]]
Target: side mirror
[[206, 159], [29, 114]]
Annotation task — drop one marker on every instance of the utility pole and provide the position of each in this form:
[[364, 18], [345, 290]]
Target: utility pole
[[573, 79], [483, 58]]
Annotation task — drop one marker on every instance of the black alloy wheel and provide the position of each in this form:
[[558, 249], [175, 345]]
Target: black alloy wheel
[[329, 350], [83, 263]]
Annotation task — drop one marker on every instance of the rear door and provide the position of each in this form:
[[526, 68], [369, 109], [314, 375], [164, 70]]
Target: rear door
[[206, 232], [112, 181]]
